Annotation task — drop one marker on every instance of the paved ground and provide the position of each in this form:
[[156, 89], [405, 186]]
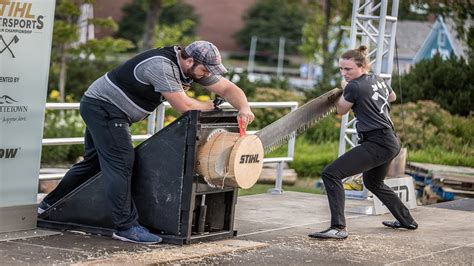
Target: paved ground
[[272, 230]]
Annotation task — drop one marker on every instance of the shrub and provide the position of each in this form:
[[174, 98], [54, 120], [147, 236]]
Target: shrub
[[446, 82], [325, 130], [426, 124], [311, 159], [265, 116], [62, 124], [81, 73]]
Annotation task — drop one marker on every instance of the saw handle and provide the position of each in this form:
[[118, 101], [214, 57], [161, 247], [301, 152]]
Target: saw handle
[[241, 127]]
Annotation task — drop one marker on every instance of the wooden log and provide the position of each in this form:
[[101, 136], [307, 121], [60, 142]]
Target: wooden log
[[397, 166], [227, 159]]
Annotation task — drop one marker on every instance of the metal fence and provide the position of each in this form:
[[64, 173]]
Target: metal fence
[[156, 122]]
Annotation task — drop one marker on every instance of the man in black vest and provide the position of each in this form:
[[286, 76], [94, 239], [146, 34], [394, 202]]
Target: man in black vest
[[128, 94]]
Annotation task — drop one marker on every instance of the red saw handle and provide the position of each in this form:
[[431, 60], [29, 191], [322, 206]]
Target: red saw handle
[[241, 127]]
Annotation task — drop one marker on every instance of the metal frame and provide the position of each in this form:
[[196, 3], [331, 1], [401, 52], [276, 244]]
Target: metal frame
[[253, 49], [156, 122], [373, 27]]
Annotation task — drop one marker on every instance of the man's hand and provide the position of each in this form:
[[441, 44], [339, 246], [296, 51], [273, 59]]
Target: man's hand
[[235, 96], [207, 106], [247, 116]]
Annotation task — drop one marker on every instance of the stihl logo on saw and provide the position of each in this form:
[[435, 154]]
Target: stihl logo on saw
[[249, 158]]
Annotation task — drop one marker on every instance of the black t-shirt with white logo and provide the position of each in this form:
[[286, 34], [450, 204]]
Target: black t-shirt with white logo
[[369, 94]]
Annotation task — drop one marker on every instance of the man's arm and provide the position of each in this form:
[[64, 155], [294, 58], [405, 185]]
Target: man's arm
[[182, 102], [235, 96]]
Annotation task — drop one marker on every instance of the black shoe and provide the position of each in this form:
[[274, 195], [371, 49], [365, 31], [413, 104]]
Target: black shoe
[[397, 224], [43, 206], [334, 233]]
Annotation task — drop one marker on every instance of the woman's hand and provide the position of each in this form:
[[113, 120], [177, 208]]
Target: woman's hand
[[343, 83]]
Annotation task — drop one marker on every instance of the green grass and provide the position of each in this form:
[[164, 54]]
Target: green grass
[[438, 155], [263, 188], [310, 159]]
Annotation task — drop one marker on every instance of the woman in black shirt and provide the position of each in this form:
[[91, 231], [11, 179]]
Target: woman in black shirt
[[368, 96]]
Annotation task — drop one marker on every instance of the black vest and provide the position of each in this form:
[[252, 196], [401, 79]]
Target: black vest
[[143, 95]]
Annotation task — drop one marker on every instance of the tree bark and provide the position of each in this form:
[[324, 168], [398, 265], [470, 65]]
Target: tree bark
[[346, 14], [63, 73], [325, 44], [152, 15]]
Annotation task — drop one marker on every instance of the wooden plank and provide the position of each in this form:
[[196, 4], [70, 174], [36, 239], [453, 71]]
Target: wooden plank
[[428, 167], [453, 177], [458, 191]]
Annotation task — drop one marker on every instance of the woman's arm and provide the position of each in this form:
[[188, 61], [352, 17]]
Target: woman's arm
[[343, 106]]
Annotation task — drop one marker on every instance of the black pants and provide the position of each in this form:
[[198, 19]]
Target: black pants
[[372, 158], [108, 148]]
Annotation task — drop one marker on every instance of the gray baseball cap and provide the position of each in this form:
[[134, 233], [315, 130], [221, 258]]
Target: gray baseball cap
[[207, 54]]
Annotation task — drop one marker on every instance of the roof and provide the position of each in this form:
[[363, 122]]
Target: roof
[[411, 36], [459, 47]]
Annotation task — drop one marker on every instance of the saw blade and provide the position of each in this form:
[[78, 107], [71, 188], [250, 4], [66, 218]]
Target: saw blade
[[298, 121]]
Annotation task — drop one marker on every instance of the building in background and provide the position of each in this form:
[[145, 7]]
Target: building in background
[[418, 40], [410, 37], [108, 8], [219, 19], [442, 39]]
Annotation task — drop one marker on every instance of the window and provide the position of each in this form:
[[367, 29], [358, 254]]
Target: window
[[444, 53], [441, 39]]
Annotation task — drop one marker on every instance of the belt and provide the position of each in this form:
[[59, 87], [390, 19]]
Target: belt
[[368, 134]]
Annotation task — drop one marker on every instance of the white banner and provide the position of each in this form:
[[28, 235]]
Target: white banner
[[26, 28], [404, 188]]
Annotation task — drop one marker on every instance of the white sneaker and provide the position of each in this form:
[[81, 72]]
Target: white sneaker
[[42, 207], [334, 233]]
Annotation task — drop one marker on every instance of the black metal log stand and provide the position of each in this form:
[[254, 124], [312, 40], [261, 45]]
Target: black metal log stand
[[172, 199]]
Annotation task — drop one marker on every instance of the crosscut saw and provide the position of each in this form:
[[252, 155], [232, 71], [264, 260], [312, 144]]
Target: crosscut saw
[[278, 132], [236, 159]]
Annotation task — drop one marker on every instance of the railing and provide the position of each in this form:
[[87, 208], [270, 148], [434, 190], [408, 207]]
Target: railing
[[156, 122]]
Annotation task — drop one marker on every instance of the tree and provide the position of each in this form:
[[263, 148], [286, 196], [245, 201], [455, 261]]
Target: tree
[[322, 38], [64, 33], [447, 82], [65, 38], [174, 13], [407, 10], [174, 34], [271, 19], [152, 13]]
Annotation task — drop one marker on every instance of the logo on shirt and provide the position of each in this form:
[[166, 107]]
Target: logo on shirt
[[380, 90]]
